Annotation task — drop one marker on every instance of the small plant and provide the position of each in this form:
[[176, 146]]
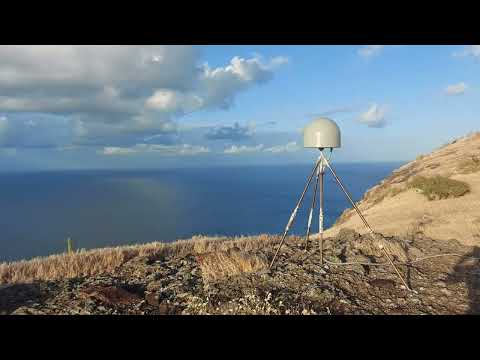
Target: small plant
[[69, 245], [439, 187], [420, 157], [395, 191]]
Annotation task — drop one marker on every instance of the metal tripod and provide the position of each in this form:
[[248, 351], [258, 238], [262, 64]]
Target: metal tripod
[[319, 169]]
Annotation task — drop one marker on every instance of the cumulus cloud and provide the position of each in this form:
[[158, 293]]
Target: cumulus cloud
[[288, 148], [216, 87], [470, 50], [369, 51], [183, 149], [374, 117], [456, 89], [236, 150], [171, 101], [109, 91], [245, 149], [234, 133]]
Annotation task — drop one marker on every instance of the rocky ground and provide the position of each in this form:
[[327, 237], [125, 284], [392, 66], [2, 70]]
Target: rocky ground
[[297, 284]]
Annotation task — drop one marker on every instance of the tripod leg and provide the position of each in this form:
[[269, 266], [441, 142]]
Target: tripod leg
[[294, 213], [363, 218], [320, 213], [312, 207]]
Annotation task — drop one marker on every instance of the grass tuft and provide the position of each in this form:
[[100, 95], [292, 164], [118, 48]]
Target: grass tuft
[[439, 187], [222, 264]]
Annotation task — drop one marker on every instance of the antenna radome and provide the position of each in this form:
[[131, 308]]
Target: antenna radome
[[321, 133]]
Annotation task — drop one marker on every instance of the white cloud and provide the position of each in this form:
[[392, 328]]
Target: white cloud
[[375, 116], [235, 150], [289, 147], [107, 90], [470, 50], [174, 101], [456, 89], [182, 149], [369, 51], [236, 132], [219, 85], [115, 150]]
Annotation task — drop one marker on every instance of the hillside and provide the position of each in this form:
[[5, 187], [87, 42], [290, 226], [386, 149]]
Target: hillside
[[230, 276], [393, 207], [426, 213]]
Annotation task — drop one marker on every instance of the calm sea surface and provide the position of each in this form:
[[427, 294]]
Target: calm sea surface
[[107, 208]]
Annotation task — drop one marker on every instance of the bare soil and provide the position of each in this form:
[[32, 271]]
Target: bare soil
[[394, 209]]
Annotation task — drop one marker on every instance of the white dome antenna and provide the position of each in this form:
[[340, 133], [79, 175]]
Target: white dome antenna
[[322, 133]]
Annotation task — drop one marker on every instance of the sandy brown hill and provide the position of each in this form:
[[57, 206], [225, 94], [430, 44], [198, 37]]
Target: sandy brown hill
[[393, 207]]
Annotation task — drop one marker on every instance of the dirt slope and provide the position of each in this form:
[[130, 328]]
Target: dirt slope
[[393, 209]]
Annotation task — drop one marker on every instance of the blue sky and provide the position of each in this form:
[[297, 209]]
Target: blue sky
[[80, 107]]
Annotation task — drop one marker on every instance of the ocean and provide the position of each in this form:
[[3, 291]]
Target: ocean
[[39, 211]]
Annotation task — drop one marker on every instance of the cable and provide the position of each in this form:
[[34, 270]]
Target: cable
[[401, 263]]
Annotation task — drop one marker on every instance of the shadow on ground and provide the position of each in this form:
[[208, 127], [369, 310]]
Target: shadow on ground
[[13, 296], [467, 270]]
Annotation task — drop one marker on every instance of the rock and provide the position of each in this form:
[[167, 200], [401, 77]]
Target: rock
[[152, 298], [183, 295], [446, 292], [23, 310], [166, 309], [110, 295], [383, 283]]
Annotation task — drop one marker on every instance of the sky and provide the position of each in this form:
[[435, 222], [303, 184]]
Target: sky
[[129, 107]]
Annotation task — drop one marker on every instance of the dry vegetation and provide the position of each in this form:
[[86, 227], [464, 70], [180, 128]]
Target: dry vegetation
[[470, 165], [221, 264], [103, 261], [392, 206], [439, 187]]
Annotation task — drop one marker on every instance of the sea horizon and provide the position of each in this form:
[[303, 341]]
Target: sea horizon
[[113, 207]]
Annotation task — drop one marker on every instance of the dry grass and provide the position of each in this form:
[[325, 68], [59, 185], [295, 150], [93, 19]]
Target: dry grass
[[439, 187], [233, 262], [470, 165], [395, 191], [107, 260]]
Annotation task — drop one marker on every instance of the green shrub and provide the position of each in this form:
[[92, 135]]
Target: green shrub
[[439, 187]]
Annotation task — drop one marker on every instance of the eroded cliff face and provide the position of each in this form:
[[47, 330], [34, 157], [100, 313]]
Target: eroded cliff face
[[393, 208]]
